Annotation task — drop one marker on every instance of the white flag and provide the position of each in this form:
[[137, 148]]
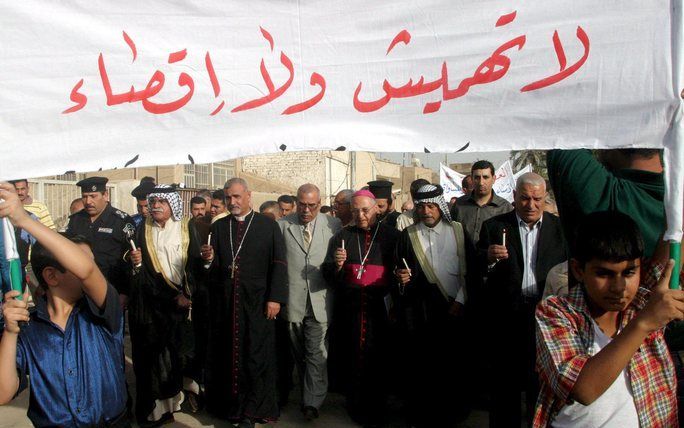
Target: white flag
[[505, 181], [450, 181]]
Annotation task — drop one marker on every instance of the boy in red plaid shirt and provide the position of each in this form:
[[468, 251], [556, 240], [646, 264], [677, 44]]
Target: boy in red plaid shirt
[[601, 356]]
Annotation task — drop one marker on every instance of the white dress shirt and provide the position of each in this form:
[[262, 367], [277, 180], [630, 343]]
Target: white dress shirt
[[167, 243], [439, 245], [528, 238]]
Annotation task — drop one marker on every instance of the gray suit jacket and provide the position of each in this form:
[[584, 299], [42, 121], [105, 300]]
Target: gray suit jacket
[[304, 267]]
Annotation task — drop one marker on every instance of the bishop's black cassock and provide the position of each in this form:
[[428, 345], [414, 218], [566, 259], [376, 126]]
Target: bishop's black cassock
[[360, 329], [241, 372]]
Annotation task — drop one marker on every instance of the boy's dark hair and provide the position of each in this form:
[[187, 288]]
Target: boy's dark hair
[[219, 195], [41, 258], [286, 199], [482, 164], [608, 235], [197, 200]]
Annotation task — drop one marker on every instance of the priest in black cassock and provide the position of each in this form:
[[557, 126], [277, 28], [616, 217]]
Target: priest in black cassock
[[247, 284], [165, 266], [382, 190], [359, 263]]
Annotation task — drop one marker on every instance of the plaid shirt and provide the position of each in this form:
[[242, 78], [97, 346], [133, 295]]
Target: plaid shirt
[[564, 340]]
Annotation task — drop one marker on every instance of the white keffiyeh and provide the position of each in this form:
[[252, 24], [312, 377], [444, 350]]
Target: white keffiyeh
[[168, 193], [433, 194]]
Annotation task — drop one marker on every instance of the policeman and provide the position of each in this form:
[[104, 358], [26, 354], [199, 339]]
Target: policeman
[[140, 194], [108, 230], [382, 189]]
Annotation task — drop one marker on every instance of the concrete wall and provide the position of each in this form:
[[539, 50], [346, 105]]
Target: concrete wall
[[291, 169]]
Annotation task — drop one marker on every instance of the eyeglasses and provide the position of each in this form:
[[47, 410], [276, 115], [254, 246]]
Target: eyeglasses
[[337, 204], [311, 207]]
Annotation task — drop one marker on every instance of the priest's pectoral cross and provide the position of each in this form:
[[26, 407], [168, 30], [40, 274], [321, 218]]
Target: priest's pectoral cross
[[359, 272]]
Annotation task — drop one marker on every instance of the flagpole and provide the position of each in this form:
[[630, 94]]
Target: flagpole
[[676, 254], [674, 154], [12, 256]]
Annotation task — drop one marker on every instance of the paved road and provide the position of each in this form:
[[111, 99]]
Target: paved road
[[332, 414]]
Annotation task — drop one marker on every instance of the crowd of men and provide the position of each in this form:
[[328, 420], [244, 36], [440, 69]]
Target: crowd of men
[[443, 306]]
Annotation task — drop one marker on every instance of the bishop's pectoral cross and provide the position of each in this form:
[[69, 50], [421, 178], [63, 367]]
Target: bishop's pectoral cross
[[232, 270], [359, 272]]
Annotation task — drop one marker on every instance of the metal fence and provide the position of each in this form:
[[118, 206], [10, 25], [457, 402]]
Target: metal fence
[[57, 196]]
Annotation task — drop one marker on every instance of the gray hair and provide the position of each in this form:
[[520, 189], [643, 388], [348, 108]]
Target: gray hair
[[530, 179], [236, 180], [347, 193], [308, 188], [268, 205]]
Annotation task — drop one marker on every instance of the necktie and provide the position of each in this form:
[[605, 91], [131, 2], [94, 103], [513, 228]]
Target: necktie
[[307, 235]]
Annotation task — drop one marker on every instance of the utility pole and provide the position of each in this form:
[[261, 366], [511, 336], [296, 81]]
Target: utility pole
[[352, 169]]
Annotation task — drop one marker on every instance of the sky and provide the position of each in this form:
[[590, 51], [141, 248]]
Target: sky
[[432, 160]]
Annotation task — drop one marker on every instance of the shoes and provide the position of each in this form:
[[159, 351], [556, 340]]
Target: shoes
[[194, 402], [310, 413]]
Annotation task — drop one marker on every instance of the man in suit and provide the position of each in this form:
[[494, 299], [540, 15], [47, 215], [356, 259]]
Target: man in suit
[[307, 235], [517, 249]]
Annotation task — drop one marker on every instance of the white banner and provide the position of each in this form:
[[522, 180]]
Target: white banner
[[505, 181], [89, 84], [98, 84], [450, 181]]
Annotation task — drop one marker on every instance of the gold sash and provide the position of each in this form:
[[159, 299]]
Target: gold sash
[[152, 252]]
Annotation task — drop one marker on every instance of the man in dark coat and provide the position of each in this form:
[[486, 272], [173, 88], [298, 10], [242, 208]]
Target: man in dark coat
[[437, 274], [247, 282], [165, 265], [517, 249], [107, 229]]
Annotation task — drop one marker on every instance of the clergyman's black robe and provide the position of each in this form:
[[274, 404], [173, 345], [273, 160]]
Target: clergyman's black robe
[[360, 327], [161, 334], [241, 372]]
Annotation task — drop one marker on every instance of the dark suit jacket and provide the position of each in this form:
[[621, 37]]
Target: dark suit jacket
[[504, 280]]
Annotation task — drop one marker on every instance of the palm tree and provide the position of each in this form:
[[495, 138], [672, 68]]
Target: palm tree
[[537, 158]]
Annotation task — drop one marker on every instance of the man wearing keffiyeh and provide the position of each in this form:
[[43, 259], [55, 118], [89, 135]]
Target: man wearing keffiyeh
[[434, 268], [164, 265]]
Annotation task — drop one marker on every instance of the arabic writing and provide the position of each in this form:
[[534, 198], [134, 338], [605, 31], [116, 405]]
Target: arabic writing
[[493, 68], [490, 70]]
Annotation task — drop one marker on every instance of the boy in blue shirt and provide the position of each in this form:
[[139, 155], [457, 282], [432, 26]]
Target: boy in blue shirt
[[72, 347]]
